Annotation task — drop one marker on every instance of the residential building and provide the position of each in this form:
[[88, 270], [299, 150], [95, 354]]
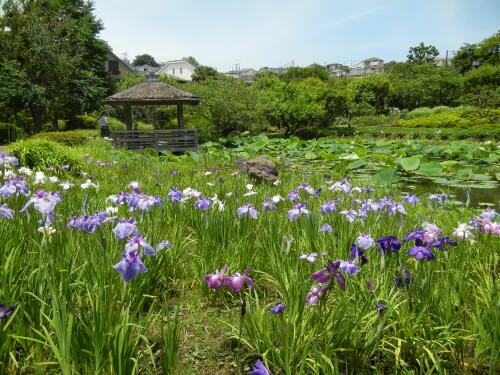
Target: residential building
[[180, 70], [367, 67], [279, 70], [338, 70], [242, 74], [117, 68], [443, 61], [151, 72]]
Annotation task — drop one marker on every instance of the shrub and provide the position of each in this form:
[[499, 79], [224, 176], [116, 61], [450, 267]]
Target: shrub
[[82, 122], [311, 132], [42, 153], [69, 138], [456, 118], [115, 124], [370, 120], [10, 132]]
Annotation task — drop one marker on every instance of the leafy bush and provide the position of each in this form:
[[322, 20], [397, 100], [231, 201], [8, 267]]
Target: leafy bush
[[456, 118], [426, 111], [115, 124], [42, 153], [69, 138], [371, 120], [10, 132], [82, 122], [311, 132]]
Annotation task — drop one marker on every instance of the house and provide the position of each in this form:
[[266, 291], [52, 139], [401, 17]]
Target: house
[[338, 70], [367, 67], [180, 70], [443, 61], [151, 72], [117, 68], [279, 70], [243, 74]]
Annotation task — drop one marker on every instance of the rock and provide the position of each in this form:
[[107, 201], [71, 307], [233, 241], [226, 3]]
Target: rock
[[261, 169]]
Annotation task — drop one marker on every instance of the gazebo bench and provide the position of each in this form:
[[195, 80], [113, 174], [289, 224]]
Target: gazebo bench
[[174, 140]]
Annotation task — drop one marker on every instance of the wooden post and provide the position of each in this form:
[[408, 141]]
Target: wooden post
[[128, 117], [180, 116]]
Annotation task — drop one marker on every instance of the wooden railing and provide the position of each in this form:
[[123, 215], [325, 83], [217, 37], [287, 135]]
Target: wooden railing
[[174, 140]]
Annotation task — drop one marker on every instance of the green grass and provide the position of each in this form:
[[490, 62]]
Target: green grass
[[74, 314]]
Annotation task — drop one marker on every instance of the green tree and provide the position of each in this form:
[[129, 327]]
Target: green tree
[[145, 59], [227, 105], [297, 74], [192, 61], [51, 53], [203, 72], [372, 90], [482, 88], [422, 54], [485, 52]]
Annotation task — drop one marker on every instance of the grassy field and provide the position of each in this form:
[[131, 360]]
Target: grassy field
[[83, 304]]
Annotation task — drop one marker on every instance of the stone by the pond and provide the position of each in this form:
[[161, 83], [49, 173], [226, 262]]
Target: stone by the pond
[[261, 169]]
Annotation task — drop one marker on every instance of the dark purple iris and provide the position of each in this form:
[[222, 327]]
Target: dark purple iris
[[278, 308], [380, 308], [442, 242], [407, 280], [5, 312], [357, 252], [421, 252], [259, 369], [388, 243], [331, 271]]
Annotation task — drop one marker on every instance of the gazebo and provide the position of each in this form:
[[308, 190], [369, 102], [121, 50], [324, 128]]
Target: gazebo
[[154, 93]]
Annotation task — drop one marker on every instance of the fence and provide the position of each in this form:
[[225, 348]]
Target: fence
[[174, 140]]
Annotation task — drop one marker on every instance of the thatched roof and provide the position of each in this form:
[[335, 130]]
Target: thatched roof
[[152, 93]]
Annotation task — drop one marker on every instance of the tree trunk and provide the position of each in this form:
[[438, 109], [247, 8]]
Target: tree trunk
[[36, 113], [55, 123]]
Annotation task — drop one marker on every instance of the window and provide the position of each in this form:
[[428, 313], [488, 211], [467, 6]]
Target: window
[[173, 71], [113, 67], [181, 70]]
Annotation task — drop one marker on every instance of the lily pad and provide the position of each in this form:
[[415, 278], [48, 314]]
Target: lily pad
[[410, 164], [432, 168]]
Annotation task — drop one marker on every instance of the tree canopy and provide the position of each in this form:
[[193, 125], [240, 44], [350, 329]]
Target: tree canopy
[[422, 54], [145, 59], [52, 62]]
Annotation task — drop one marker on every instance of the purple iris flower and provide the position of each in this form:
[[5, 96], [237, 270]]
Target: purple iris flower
[[6, 159], [278, 308], [442, 242], [326, 228], [439, 197], [411, 199], [248, 209], [6, 212], [5, 312], [203, 204], [44, 202], [421, 252], [364, 241], [164, 244], [488, 214], [350, 267], [16, 185], [350, 215], [287, 240], [297, 210], [316, 294], [329, 206], [124, 165], [89, 223], [395, 207], [331, 271], [416, 235], [174, 172], [294, 195], [356, 252], [388, 243], [369, 285], [380, 307], [236, 281], [259, 369], [125, 228], [174, 195], [136, 242], [268, 205], [216, 280], [130, 266], [408, 279]]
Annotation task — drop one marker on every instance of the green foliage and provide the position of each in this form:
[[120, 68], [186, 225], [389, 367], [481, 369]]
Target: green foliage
[[10, 132], [68, 138], [202, 72], [130, 80], [52, 62], [459, 118], [115, 124], [485, 52], [227, 104], [371, 120], [192, 61], [371, 90], [82, 122], [426, 111], [145, 59], [422, 54], [42, 153], [298, 74]]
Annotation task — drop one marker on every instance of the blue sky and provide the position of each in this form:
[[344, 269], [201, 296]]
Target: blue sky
[[256, 33]]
